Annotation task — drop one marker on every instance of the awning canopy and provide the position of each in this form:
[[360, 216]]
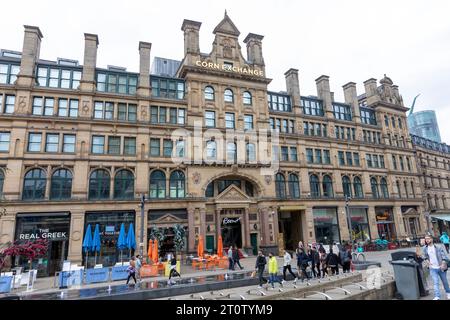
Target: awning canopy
[[445, 217], [292, 208]]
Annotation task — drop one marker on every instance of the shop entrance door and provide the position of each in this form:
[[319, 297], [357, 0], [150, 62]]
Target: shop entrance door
[[56, 256], [254, 242], [210, 243], [231, 232]]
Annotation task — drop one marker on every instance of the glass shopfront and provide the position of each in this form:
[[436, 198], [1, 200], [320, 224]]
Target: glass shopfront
[[326, 225], [109, 223], [385, 223], [54, 227], [360, 225]]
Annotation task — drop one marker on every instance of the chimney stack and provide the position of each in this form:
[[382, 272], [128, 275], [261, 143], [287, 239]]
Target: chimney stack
[[90, 62], [323, 93], [191, 37], [292, 86], [351, 98], [254, 49], [144, 69], [370, 87], [30, 55]]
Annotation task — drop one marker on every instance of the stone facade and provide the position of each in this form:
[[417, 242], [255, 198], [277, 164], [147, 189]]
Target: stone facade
[[356, 138]]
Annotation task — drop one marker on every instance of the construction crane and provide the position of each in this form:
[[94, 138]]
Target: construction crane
[[413, 104]]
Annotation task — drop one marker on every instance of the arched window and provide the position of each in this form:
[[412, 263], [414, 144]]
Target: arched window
[[294, 186], [327, 185], [124, 185], [280, 185], [209, 192], [384, 188], [34, 185], [61, 186], [228, 95], [374, 186], [157, 184], [209, 93], [251, 152], [247, 98], [231, 152], [347, 186], [357, 186], [2, 180], [177, 184], [211, 150], [99, 185], [314, 186], [398, 189]]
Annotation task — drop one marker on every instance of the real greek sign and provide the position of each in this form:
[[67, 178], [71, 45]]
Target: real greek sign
[[43, 234]]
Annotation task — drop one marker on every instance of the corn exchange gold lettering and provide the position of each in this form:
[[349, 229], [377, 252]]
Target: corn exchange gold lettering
[[225, 67]]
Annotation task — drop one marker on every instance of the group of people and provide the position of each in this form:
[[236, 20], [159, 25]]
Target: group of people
[[233, 258], [312, 262], [135, 265]]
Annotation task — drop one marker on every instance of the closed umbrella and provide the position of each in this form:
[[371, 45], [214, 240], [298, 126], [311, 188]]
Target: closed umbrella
[[220, 247], [121, 242], [155, 254], [96, 243], [131, 239], [150, 250], [200, 248], [87, 242]]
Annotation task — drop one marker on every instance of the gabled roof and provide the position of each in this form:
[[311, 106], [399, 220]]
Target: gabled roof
[[227, 26]]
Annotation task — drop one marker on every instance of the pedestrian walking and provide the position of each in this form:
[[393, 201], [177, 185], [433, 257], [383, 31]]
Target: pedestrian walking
[[445, 240], [260, 265], [236, 258], [138, 264], [273, 270], [173, 269], [230, 258], [287, 266], [333, 262], [132, 270], [302, 264], [345, 257], [321, 249], [438, 264], [323, 262], [315, 262]]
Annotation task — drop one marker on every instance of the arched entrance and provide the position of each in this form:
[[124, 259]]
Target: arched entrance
[[232, 230]]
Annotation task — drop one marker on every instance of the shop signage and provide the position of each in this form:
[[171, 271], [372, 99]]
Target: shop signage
[[228, 67], [230, 221], [5, 284], [119, 273], [97, 275], [383, 216], [44, 234]]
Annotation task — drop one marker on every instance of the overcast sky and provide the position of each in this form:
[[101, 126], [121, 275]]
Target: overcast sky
[[348, 40]]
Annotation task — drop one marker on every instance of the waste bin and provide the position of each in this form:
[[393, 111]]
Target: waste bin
[[406, 278]]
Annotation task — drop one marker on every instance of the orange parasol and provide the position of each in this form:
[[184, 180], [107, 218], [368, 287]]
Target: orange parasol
[[150, 250], [155, 255], [220, 247], [200, 248]]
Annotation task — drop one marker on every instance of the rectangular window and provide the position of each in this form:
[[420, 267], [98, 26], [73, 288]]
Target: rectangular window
[[210, 119], [369, 160], [109, 110], [98, 110], [53, 81], [291, 126], [309, 155], [122, 112], [73, 108], [68, 143], [284, 154], [162, 115], [353, 134], [382, 162], [305, 128], [181, 116], [318, 156], [326, 157], [248, 122], [154, 147], [34, 142], [375, 161], [293, 154], [402, 165], [368, 116], [129, 147], [317, 129], [341, 158], [272, 123], [278, 125], [336, 132], [408, 162], [348, 156], [132, 112], [52, 142], [167, 88], [180, 148], [4, 141], [63, 108], [312, 107], [284, 128], [229, 120], [154, 114], [37, 106], [394, 162], [113, 145], [168, 147], [98, 144], [173, 116], [356, 159], [48, 108], [342, 112]]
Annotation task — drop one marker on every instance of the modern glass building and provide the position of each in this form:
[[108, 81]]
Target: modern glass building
[[424, 124]]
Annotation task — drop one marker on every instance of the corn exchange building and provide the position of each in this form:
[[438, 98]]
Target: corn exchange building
[[80, 145]]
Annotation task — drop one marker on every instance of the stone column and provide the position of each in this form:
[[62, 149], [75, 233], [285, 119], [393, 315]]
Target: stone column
[[75, 254], [203, 223], [309, 235], [372, 223], [218, 224], [247, 242], [30, 55], [191, 221], [398, 218], [343, 224], [49, 180], [7, 226]]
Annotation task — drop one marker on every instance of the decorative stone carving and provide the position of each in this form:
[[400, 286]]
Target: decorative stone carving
[[196, 177], [143, 112], [22, 104], [268, 179], [76, 235], [85, 108]]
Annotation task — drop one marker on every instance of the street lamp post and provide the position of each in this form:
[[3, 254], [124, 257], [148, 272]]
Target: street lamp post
[[349, 220], [141, 236]]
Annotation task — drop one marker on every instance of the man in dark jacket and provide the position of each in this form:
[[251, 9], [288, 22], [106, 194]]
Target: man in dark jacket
[[302, 263], [315, 262], [333, 262], [260, 265], [345, 257], [236, 258]]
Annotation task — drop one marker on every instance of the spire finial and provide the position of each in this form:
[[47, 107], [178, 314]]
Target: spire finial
[[225, 12]]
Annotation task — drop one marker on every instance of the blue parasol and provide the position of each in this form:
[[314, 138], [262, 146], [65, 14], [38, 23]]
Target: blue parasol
[[131, 239], [87, 242], [121, 242], [96, 244]]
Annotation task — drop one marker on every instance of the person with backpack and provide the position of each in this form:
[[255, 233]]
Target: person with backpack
[[260, 265], [345, 256], [287, 266], [333, 262], [273, 270], [302, 263], [236, 258], [445, 240]]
